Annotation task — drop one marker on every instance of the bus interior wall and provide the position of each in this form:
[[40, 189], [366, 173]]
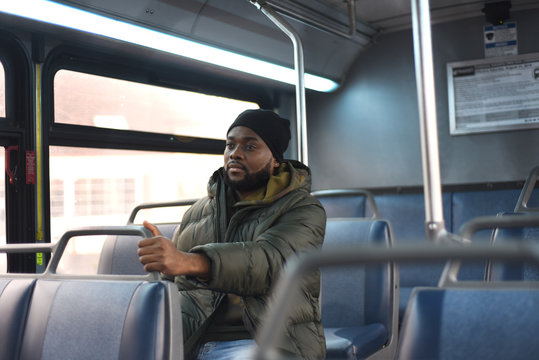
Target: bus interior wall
[[366, 134]]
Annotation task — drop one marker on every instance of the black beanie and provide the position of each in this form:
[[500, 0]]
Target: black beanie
[[274, 130]]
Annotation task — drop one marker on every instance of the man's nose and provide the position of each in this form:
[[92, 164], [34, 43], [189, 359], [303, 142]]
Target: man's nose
[[237, 153]]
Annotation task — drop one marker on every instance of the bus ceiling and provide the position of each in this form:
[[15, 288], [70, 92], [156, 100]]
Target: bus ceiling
[[325, 26]]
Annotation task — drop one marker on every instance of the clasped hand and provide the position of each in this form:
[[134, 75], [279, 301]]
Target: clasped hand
[[158, 253]]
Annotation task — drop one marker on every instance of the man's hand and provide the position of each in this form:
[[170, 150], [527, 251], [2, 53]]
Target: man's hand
[[159, 254]]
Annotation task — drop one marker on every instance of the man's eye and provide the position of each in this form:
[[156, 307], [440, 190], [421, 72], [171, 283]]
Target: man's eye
[[229, 146], [250, 147]]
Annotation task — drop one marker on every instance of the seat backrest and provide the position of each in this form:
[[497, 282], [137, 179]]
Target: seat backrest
[[357, 295], [15, 297], [99, 319], [509, 271], [347, 203], [406, 213], [470, 324], [119, 253], [467, 205]]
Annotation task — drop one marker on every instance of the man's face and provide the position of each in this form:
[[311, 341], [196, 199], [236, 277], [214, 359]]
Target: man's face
[[248, 160]]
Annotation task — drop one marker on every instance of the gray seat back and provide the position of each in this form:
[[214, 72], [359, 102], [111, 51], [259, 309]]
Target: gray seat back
[[61, 316], [94, 319], [119, 253]]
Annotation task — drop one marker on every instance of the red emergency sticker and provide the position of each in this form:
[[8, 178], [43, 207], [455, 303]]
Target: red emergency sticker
[[30, 167]]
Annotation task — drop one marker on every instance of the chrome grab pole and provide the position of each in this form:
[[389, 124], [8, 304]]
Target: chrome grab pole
[[301, 118], [424, 72]]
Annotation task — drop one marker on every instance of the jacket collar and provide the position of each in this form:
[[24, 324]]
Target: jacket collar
[[292, 175]]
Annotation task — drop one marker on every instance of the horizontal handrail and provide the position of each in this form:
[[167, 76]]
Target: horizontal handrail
[[287, 287], [346, 192], [57, 250], [468, 229], [489, 222], [137, 208]]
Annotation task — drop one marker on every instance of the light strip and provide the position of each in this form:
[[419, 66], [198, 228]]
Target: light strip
[[66, 16]]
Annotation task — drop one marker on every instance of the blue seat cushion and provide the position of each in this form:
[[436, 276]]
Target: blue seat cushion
[[355, 342]]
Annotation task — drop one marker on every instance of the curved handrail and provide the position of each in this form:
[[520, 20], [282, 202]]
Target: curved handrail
[[137, 208], [526, 193], [287, 288], [299, 66], [344, 192], [57, 250], [450, 272]]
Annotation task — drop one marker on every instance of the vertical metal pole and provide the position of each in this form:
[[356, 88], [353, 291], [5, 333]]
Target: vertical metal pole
[[301, 117], [424, 72]]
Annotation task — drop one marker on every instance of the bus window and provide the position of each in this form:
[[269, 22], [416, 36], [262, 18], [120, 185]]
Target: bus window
[[96, 187], [81, 255], [91, 100]]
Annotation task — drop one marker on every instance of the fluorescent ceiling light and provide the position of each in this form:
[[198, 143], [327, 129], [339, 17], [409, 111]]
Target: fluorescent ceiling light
[[58, 14]]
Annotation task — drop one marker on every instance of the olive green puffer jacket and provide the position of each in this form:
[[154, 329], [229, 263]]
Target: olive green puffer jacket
[[247, 256]]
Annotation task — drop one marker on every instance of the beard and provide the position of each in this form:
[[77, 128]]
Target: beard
[[251, 181]]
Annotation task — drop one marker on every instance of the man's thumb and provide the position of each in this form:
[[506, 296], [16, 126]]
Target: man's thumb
[[154, 230]]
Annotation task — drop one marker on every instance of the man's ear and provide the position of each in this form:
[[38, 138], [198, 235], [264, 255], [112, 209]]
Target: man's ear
[[276, 163]]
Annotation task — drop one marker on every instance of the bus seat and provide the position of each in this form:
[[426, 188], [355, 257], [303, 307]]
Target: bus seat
[[467, 205], [357, 301], [347, 203], [406, 213], [15, 297], [119, 253], [470, 324], [95, 319], [507, 271]]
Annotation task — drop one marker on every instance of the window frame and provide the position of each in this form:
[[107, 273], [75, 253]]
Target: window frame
[[113, 65], [18, 130], [83, 60]]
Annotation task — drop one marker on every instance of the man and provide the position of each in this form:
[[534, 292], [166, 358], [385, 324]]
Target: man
[[232, 245]]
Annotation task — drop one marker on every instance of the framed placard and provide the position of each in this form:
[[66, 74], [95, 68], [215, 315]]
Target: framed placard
[[495, 94], [501, 40]]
